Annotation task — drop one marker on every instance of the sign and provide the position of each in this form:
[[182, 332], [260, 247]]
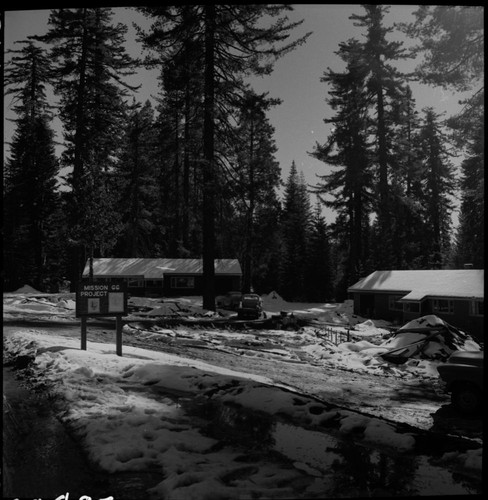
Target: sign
[[101, 297]]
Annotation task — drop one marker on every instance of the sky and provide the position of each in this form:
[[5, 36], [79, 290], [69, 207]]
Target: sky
[[298, 121]]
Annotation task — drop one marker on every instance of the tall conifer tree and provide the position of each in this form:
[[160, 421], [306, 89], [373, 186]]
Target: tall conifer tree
[[257, 174], [406, 185], [319, 278], [30, 197], [451, 40], [234, 44], [135, 178], [384, 84], [470, 237], [90, 59], [438, 188], [347, 148], [295, 227]]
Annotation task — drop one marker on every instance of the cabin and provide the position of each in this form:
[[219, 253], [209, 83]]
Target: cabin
[[166, 277], [456, 296]]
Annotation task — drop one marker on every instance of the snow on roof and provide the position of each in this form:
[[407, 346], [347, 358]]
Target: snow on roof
[[157, 268], [419, 284]]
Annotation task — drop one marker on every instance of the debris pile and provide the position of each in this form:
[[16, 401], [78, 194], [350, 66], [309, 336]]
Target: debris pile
[[428, 337]]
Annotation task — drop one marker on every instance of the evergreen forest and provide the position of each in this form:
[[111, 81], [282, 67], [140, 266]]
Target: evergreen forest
[[193, 173]]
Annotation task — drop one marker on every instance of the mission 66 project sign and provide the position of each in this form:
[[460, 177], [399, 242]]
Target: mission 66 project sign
[[101, 298]]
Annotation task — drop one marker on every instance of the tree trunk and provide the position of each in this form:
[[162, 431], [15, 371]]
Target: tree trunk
[[208, 164], [76, 264], [248, 257], [91, 262], [186, 173]]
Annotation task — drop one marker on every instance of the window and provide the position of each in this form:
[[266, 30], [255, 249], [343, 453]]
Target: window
[[182, 282], [413, 307], [154, 283], [135, 283], [393, 303], [477, 308], [443, 306]]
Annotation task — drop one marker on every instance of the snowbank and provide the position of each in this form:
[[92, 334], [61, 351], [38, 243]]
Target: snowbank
[[26, 289], [273, 302], [369, 328]]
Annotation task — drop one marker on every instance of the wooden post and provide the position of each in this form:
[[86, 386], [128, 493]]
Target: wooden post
[[83, 333], [118, 339]]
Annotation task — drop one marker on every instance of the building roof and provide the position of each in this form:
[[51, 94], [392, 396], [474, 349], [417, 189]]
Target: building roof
[[158, 268], [417, 285]]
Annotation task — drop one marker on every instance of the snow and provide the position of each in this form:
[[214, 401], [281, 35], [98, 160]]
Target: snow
[[417, 284], [336, 314], [131, 411], [27, 301], [26, 289]]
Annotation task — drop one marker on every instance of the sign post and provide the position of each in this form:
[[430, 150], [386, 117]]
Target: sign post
[[83, 333], [102, 297], [118, 335]]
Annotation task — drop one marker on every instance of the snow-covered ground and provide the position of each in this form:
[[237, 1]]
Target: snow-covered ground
[[146, 410]]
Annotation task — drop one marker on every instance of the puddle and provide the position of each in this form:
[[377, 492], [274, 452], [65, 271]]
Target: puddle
[[360, 469], [348, 468], [316, 449]]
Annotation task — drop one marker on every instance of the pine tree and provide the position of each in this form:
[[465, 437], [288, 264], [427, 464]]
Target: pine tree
[[319, 279], [295, 227], [90, 63], [234, 44], [438, 187], [30, 196], [347, 148], [30, 200], [268, 245], [177, 188], [406, 185], [451, 39], [136, 176], [177, 50], [255, 174], [471, 233], [181, 122], [384, 83]]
